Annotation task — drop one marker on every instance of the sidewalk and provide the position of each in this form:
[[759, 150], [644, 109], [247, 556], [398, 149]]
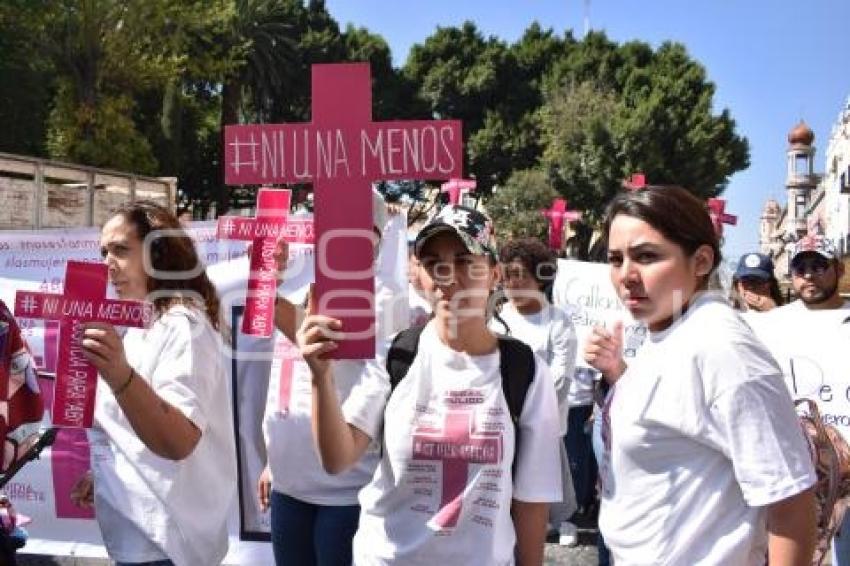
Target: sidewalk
[[582, 555]]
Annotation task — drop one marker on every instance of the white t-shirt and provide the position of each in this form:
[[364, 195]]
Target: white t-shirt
[[149, 507], [296, 470], [442, 492], [552, 336], [295, 467], [702, 436]]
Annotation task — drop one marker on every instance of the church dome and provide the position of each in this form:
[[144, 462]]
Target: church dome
[[801, 134]]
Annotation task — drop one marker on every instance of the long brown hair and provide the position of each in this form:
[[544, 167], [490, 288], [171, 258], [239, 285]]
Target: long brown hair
[[172, 250]]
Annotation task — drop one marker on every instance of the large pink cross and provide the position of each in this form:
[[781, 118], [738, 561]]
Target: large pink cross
[[556, 215], [716, 210], [636, 182], [342, 152], [456, 188], [263, 231], [83, 301], [456, 448]]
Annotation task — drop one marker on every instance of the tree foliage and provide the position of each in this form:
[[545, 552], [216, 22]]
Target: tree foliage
[[147, 87], [516, 207]]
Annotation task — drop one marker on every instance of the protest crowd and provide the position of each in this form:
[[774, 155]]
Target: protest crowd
[[451, 442], [369, 380]]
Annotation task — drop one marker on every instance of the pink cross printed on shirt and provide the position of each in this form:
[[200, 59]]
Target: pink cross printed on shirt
[[716, 210], [456, 447], [634, 183], [83, 301], [456, 188], [557, 215], [263, 231], [342, 152]]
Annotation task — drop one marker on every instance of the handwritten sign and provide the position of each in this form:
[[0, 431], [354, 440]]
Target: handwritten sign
[[263, 231], [83, 301], [342, 152]]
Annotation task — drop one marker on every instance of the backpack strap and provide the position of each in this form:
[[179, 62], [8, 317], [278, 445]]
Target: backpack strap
[[401, 354], [516, 364]]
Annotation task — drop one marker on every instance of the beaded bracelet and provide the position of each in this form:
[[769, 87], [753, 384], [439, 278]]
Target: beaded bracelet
[[123, 387]]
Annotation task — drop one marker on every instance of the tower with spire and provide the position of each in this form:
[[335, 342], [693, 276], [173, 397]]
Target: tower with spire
[[801, 180]]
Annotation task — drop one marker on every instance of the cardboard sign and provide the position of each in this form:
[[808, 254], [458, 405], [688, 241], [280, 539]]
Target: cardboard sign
[[557, 215], [83, 301], [342, 152], [263, 231]]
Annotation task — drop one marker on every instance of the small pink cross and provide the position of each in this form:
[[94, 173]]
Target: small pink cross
[[83, 300], [634, 183], [457, 187], [716, 210], [263, 231], [557, 215]]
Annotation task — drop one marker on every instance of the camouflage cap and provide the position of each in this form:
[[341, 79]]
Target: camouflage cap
[[473, 228]]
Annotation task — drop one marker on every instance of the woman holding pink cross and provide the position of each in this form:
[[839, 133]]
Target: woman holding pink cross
[[163, 456]]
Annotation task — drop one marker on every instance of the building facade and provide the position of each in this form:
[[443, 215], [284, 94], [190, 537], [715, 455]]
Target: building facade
[[815, 203]]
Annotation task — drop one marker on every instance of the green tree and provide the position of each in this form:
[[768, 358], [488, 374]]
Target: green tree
[[516, 206], [26, 83], [613, 110], [462, 75]]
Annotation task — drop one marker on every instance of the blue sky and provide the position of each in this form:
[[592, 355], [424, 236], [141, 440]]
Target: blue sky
[[772, 61]]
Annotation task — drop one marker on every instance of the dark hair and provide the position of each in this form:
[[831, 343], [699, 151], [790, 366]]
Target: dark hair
[[677, 214], [535, 256], [173, 251]]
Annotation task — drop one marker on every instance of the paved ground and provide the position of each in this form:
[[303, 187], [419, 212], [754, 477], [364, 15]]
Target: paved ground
[[584, 554], [581, 555]]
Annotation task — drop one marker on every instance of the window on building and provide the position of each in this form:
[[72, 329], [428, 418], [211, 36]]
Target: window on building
[[801, 165], [800, 206]]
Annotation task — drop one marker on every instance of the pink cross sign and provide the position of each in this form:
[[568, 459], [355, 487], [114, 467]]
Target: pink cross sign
[[83, 301], [263, 231], [634, 183], [456, 448], [456, 188], [716, 209], [342, 152], [557, 215]]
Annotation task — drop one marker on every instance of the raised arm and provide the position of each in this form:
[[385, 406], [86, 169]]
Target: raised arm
[[164, 429], [340, 445]]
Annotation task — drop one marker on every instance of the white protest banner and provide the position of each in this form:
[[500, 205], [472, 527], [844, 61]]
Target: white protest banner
[[585, 292], [811, 348]]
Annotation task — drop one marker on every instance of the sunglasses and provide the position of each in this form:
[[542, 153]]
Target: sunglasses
[[816, 266]]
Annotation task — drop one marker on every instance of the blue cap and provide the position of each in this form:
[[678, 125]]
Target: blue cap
[[754, 265]]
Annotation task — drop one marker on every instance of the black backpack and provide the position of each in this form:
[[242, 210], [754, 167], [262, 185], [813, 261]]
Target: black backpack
[[516, 364]]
